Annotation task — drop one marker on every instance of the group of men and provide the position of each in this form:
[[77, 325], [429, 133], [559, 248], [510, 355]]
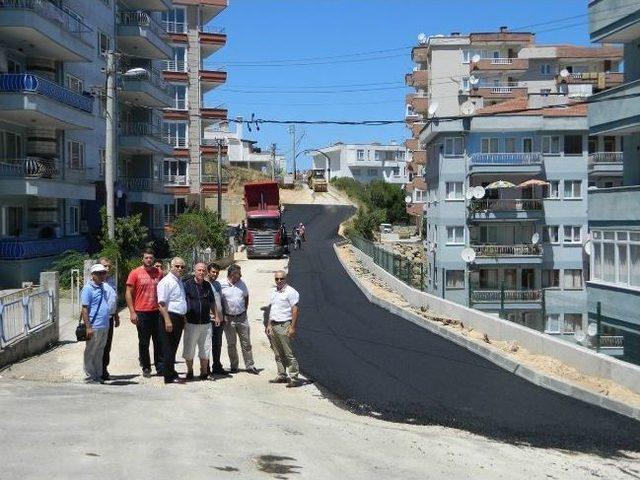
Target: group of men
[[164, 306]]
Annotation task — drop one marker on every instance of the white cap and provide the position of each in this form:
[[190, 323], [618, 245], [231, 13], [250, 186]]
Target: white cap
[[98, 267]]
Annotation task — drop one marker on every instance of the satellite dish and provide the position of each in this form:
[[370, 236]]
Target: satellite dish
[[468, 254], [588, 247], [564, 73], [433, 108], [478, 192], [579, 336], [135, 72], [473, 80], [475, 58], [468, 108], [592, 329], [469, 193], [422, 38], [535, 238], [408, 199]]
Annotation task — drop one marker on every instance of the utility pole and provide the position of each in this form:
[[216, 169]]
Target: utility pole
[[273, 161], [109, 164], [292, 131], [220, 143]]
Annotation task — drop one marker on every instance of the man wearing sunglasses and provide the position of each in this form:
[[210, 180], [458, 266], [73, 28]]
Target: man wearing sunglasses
[[172, 302], [281, 328]]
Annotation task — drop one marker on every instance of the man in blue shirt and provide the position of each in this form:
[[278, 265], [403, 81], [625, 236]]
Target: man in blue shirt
[[98, 303]]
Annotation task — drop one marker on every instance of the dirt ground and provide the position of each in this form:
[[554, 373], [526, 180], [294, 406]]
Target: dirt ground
[[540, 363]]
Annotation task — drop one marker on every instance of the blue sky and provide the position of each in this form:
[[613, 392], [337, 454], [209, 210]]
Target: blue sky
[[314, 48]]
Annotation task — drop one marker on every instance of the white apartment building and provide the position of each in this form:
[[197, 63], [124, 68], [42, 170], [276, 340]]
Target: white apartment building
[[364, 162]]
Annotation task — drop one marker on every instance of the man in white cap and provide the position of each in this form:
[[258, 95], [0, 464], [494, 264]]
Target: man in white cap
[[98, 304]]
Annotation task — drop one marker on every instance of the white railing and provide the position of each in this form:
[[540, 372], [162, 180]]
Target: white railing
[[611, 341], [175, 66], [171, 179], [174, 27], [533, 158], [502, 61], [501, 89], [506, 205], [22, 314], [606, 157], [523, 250], [494, 296], [176, 142]]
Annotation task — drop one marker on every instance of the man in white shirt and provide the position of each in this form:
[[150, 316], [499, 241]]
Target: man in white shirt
[[172, 302], [281, 328], [235, 297]]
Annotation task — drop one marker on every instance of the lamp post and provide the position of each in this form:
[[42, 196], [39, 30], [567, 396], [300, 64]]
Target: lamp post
[[325, 156], [220, 143]]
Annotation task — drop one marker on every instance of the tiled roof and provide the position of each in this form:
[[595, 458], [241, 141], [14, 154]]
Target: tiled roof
[[519, 106], [572, 51], [415, 209]]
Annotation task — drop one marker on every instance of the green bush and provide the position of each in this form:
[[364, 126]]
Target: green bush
[[197, 230], [67, 261]]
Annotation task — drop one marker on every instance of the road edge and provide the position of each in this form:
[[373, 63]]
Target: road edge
[[522, 371]]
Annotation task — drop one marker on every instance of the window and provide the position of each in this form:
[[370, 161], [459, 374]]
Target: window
[[616, 257], [572, 322], [101, 161], [73, 225], [551, 145], [400, 155], [180, 97], [175, 134], [572, 189], [418, 195], [454, 191], [12, 224], [173, 20], [455, 279], [552, 323], [572, 234], [453, 146], [372, 172], [545, 92], [545, 69], [489, 145], [551, 234], [551, 278], [455, 235], [104, 43], [510, 145], [356, 172], [527, 145], [75, 155], [10, 145], [179, 62], [175, 172], [572, 279], [395, 171], [74, 83], [552, 190], [360, 155], [102, 104], [573, 144], [13, 66], [465, 84]]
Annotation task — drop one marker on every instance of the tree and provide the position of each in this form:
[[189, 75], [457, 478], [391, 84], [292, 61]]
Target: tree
[[198, 230]]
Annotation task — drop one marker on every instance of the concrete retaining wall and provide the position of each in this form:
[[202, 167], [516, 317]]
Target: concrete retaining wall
[[582, 359]]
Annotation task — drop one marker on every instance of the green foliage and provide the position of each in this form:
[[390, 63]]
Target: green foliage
[[131, 236], [367, 221], [67, 261], [197, 230]]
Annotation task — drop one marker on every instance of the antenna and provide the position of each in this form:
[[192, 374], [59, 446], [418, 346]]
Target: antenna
[[433, 108], [473, 80], [422, 38], [535, 238], [475, 58], [592, 329], [469, 193], [468, 254], [564, 73], [478, 192], [468, 108]]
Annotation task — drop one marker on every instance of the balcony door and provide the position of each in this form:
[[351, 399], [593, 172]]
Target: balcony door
[[510, 279], [528, 279]]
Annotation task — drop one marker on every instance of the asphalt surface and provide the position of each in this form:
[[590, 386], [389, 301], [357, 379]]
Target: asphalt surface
[[379, 364]]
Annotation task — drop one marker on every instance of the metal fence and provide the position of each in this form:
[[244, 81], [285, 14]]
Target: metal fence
[[410, 272], [21, 315]]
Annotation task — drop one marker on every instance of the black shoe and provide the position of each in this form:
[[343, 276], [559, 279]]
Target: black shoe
[[189, 376], [294, 382], [146, 372], [204, 376], [106, 376], [279, 379], [253, 371], [233, 370], [219, 371]]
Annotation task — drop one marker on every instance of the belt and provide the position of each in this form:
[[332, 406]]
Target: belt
[[235, 315]]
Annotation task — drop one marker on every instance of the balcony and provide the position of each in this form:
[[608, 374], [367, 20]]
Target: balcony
[[211, 39], [420, 104], [420, 54], [511, 209], [616, 206], [507, 254], [416, 128], [171, 180], [29, 167], [600, 80], [40, 29], [419, 157], [29, 99], [417, 79], [145, 190], [142, 138], [17, 249], [510, 296], [616, 110], [412, 144], [139, 35], [605, 163], [517, 163], [210, 8], [505, 65], [215, 114], [614, 21], [146, 89], [503, 91], [210, 79]]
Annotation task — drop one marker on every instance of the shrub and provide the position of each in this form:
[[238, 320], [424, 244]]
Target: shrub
[[197, 230], [67, 261]]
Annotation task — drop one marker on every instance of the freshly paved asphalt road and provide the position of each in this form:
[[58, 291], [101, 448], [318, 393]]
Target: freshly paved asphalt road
[[377, 363]]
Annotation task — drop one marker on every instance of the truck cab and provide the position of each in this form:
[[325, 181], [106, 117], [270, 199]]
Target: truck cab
[[263, 237]]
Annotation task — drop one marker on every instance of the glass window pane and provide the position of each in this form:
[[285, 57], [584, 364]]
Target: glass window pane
[[623, 266], [597, 260], [634, 266], [609, 273]]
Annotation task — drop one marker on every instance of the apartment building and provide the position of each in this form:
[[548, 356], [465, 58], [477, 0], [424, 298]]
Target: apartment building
[[363, 162], [614, 215], [190, 169], [52, 129], [501, 135]]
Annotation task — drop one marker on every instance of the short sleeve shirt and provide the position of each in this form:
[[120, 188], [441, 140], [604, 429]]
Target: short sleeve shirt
[[171, 292], [144, 284], [233, 296], [282, 301], [98, 310]]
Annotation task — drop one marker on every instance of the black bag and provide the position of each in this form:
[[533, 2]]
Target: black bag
[[81, 331]]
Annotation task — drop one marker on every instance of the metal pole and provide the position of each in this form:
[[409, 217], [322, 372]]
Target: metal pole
[[292, 131], [502, 300], [273, 161], [598, 324], [219, 142], [109, 164]]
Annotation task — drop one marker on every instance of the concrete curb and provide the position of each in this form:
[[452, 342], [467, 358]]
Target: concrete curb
[[497, 358]]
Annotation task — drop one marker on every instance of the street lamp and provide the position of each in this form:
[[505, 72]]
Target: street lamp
[[220, 142]]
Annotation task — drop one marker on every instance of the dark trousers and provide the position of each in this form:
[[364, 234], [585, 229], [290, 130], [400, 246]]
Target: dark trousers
[[106, 355], [216, 346], [170, 343], [149, 329]]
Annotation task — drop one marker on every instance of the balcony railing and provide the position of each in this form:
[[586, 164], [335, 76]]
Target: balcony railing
[[496, 296], [139, 184], [174, 27], [606, 157], [29, 83], [15, 249], [180, 180], [176, 142], [506, 158], [48, 10], [505, 205], [34, 167], [142, 19], [611, 341], [507, 250], [175, 66], [140, 129], [150, 75]]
